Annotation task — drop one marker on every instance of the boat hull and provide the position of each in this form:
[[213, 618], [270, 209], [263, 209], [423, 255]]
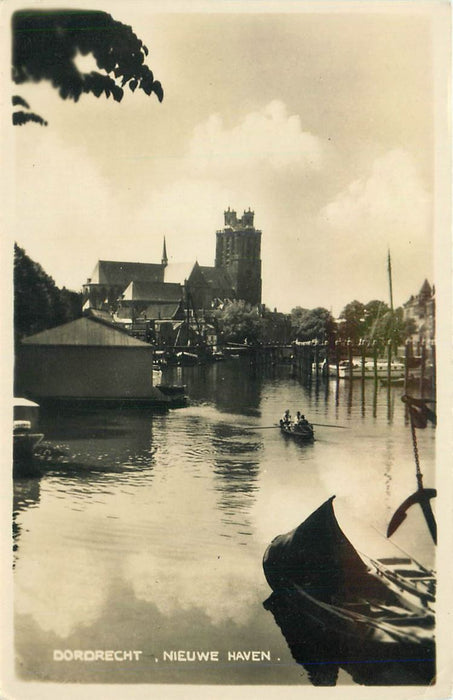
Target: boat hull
[[323, 643], [305, 434], [362, 609], [24, 463]]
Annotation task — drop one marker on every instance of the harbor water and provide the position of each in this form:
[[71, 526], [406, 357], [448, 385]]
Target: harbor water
[[145, 532]]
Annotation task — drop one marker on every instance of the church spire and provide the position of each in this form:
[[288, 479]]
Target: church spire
[[164, 255]]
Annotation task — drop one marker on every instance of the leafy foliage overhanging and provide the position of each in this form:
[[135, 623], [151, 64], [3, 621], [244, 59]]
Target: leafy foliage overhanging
[[46, 44]]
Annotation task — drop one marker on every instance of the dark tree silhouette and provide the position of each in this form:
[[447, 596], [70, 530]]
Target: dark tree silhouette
[[38, 302], [46, 44]]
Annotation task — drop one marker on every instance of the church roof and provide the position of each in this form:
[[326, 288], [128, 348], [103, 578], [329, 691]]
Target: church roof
[[163, 310], [217, 279], [84, 331], [153, 292], [178, 272], [122, 273]]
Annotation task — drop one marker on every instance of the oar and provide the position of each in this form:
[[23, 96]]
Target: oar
[[269, 427], [327, 425]]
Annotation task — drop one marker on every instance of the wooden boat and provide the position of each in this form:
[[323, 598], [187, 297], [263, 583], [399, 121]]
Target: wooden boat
[[172, 389], [187, 358], [366, 610], [24, 443], [175, 393], [298, 431], [346, 369]]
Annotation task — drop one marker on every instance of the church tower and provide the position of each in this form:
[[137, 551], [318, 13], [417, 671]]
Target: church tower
[[238, 252]]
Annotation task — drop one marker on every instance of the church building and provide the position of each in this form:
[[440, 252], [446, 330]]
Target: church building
[[153, 290]]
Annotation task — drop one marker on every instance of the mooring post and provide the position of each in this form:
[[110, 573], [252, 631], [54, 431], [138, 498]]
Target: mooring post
[[375, 351], [362, 345], [363, 353], [327, 360], [317, 360], [389, 362], [422, 369], [350, 358], [337, 358], [433, 360], [407, 358]]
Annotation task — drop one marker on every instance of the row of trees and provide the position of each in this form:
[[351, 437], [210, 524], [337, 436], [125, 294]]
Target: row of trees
[[38, 302], [373, 322]]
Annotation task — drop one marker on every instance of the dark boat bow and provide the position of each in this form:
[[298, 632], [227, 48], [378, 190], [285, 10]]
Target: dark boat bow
[[331, 603]]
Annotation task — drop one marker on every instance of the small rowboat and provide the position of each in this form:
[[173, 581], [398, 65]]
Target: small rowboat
[[360, 610], [299, 431]]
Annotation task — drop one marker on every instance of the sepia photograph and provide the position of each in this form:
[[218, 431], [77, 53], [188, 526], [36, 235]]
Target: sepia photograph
[[226, 255]]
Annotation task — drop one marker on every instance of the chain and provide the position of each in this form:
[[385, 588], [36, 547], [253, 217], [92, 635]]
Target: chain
[[417, 461]]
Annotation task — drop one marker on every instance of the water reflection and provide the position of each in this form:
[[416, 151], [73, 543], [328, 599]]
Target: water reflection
[[149, 530], [26, 494], [322, 659], [96, 441], [232, 386]]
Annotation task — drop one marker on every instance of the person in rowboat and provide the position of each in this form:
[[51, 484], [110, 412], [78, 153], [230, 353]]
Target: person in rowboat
[[301, 421], [286, 420]]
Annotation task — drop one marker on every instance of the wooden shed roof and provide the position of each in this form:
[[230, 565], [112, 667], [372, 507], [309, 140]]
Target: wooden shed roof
[[83, 332]]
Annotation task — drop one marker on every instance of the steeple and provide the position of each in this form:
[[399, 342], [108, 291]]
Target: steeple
[[164, 255]]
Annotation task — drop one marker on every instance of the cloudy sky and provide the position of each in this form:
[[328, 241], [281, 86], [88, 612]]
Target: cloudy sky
[[323, 119]]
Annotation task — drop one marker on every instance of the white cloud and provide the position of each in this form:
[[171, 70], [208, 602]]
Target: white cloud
[[68, 597], [65, 211], [388, 209], [233, 598], [269, 136], [248, 165], [392, 199]]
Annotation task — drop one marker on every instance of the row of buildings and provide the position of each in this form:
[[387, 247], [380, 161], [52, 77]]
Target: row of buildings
[[421, 309], [151, 300], [93, 357]]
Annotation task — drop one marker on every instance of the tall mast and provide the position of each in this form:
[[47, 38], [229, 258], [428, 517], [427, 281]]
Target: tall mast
[[392, 314], [390, 281]]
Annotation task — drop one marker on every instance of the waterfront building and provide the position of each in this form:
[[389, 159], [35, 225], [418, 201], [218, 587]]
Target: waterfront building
[[421, 308], [85, 360]]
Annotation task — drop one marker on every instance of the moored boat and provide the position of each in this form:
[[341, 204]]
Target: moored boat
[[176, 394], [185, 358], [369, 370], [25, 437], [367, 610]]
